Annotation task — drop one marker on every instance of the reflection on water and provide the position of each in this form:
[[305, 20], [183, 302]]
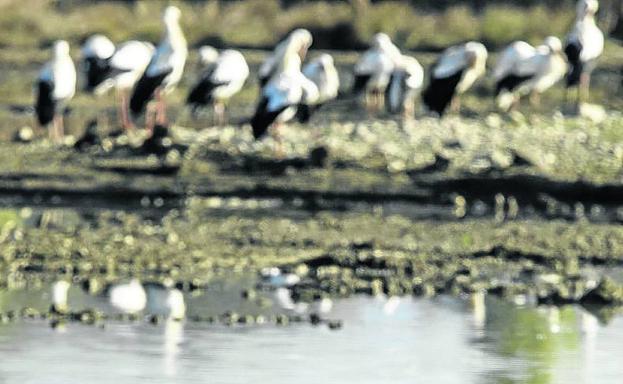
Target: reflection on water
[[384, 340]]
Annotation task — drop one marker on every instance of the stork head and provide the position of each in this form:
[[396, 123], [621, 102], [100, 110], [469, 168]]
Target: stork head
[[61, 48], [98, 46], [207, 55], [587, 8], [326, 60], [301, 39], [171, 15], [476, 54], [553, 43], [381, 40]]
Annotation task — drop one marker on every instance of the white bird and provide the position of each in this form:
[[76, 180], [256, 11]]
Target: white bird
[[404, 85], [56, 86], [121, 70], [374, 69], [60, 289], [455, 72], [220, 81], [166, 301], [128, 297], [283, 94], [585, 43], [164, 70], [322, 72], [271, 66], [523, 69]]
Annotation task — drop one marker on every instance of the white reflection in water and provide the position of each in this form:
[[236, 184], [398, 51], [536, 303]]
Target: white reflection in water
[[173, 338], [384, 340]]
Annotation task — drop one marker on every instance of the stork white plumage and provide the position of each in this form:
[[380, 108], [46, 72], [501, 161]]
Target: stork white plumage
[[585, 44], [120, 71], [284, 93], [271, 66], [56, 86], [455, 72], [164, 70], [128, 297], [220, 81], [404, 85], [523, 69], [322, 72], [373, 70]]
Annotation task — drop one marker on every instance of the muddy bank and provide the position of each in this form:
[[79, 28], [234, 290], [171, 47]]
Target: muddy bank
[[332, 254], [532, 161]]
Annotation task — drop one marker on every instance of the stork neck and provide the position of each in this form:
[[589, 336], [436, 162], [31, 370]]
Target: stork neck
[[175, 35]]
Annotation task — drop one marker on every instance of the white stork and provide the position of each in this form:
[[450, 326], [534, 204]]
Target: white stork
[[404, 85], [284, 93], [270, 66], [585, 43], [56, 85], [523, 69], [121, 70], [322, 72], [455, 72], [220, 81], [374, 69], [164, 70]]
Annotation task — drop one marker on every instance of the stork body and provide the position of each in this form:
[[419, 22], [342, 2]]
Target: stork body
[[585, 44], [454, 73], [221, 80], [56, 86], [404, 86], [164, 71], [322, 72], [523, 69], [373, 71]]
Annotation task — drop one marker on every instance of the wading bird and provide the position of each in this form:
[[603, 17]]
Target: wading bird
[[164, 70], [523, 69], [221, 79], [374, 69], [404, 86], [270, 66], [455, 72], [284, 93], [56, 85], [120, 70], [585, 43], [322, 72]]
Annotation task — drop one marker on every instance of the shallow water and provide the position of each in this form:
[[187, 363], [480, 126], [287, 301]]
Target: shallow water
[[383, 340]]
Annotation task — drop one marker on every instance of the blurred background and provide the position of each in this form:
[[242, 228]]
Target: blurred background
[[335, 24]]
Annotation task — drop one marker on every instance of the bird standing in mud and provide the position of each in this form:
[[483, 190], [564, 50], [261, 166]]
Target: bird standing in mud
[[322, 72], [163, 72], [523, 69], [404, 86], [120, 68], [222, 79], [585, 44], [374, 69], [454, 74], [56, 86], [284, 93]]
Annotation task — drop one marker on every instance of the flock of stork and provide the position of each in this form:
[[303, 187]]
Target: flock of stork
[[141, 73]]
